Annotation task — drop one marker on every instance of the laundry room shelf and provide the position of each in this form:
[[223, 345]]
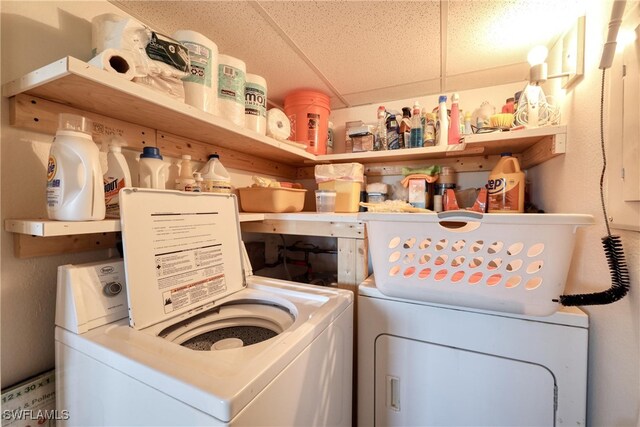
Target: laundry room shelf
[[75, 83], [148, 117], [43, 237]]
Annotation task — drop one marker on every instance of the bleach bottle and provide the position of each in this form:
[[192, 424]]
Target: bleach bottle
[[75, 189], [152, 169], [215, 177]]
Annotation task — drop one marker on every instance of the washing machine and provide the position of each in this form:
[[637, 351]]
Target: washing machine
[[180, 332], [424, 364]]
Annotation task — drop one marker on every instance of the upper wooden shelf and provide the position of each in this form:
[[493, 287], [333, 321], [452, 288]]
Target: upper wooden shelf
[[80, 85], [77, 84]]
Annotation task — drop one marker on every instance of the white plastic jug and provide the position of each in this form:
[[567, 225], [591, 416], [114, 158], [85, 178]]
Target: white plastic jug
[[152, 169], [215, 177], [75, 189]]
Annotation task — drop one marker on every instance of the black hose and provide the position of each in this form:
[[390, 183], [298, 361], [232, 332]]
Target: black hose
[[612, 245]]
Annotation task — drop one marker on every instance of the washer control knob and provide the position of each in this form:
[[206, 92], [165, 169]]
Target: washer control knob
[[112, 289]]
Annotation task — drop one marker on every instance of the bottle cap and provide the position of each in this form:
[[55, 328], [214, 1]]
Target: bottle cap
[[74, 122], [214, 156], [151, 153], [186, 157], [443, 98], [406, 112], [505, 154], [455, 97]]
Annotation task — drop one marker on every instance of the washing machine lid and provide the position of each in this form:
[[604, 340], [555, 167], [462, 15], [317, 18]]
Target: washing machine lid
[[182, 252]]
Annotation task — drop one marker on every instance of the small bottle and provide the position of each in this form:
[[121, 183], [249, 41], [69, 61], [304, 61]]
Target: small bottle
[[75, 189], [416, 134], [442, 127], [330, 137], [454, 128], [430, 130], [185, 181], [115, 179], [467, 123], [381, 140], [215, 177], [152, 169], [405, 127], [197, 187], [393, 137]]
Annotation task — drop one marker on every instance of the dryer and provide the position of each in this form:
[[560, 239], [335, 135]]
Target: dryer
[[181, 333], [424, 364]]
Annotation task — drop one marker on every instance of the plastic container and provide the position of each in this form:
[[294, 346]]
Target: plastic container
[[215, 178], [381, 132], [186, 181], [510, 263], [308, 112], [325, 201], [442, 126], [506, 186], [347, 194], [454, 127], [416, 138], [152, 169], [271, 199], [75, 188], [115, 179]]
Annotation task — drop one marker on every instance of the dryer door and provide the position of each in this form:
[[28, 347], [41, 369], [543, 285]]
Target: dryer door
[[424, 384]]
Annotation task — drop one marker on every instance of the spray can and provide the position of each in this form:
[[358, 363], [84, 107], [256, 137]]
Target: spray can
[[75, 190], [506, 186]]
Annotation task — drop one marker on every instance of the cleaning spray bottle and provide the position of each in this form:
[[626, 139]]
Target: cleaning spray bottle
[[442, 127], [75, 190], [116, 178], [185, 181], [454, 128]]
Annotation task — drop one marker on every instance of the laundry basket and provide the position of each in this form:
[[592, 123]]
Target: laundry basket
[[515, 263]]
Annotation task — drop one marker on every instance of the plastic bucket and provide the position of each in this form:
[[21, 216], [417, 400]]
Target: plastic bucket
[[308, 112]]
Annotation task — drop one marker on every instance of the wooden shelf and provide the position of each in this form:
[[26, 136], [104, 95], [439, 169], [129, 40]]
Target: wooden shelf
[[181, 128], [77, 84]]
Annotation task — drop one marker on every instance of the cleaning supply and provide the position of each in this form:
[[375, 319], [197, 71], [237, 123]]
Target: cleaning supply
[[197, 187], [506, 186], [115, 179], [75, 190], [381, 140], [467, 123], [405, 128], [215, 177], [393, 137], [416, 134], [454, 128], [442, 127], [430, 130], [185, 181], [152, 169]]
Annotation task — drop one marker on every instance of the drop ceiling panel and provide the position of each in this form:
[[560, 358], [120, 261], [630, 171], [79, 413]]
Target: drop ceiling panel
[[486, 34], [406, 91], [238, 30], [360, 46]]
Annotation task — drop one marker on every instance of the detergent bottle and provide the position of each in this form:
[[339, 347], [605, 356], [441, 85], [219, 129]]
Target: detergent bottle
[[506, 186], [116, 178], [75, 190], [152, 169]]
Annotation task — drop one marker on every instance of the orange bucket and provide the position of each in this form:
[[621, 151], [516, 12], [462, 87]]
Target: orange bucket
[[308, 112]]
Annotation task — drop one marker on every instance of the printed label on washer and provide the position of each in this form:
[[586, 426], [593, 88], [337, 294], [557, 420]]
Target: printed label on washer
[[188, 258]]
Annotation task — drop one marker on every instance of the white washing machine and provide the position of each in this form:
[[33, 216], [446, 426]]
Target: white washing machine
[[181, 332], [423, 364]]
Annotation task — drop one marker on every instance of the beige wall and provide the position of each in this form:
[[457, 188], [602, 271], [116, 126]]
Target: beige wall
[[37, 33]]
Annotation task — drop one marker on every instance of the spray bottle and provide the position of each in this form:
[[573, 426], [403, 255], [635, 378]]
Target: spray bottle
[[454, 128], [442, 127], [416, 136], [116, 178]]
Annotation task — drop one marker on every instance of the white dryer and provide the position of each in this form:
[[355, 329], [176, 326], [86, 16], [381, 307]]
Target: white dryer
[[423, 364], [181, 332]]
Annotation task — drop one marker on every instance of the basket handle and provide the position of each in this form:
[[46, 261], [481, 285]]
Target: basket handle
[[460, 221]]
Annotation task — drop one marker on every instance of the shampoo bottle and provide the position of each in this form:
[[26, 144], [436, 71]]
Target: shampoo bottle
[[75, 190], [115, 179]]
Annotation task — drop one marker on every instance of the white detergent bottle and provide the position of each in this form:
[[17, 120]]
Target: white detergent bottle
[[186, 181], [75, 189], [152, 169], [215, 178], [116, 178]]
